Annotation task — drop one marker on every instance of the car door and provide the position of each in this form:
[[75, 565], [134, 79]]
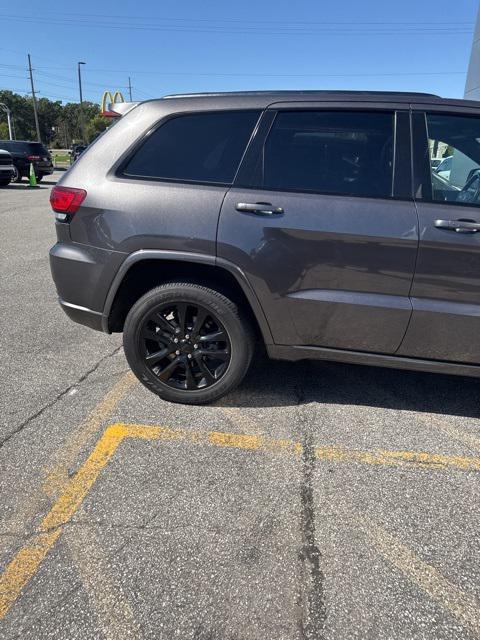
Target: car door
[[322, 222], [446, 288]]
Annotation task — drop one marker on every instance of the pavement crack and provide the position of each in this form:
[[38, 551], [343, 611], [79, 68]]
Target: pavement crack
[[57, 398], [312, 622]]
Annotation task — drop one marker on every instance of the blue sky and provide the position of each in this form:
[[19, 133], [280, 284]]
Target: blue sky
[[418, 45]]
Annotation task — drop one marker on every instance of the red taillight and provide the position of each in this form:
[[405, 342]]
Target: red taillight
[[32, 158], [66, 200]]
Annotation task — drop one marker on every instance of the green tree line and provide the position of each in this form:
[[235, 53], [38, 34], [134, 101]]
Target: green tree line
[[60, 124]]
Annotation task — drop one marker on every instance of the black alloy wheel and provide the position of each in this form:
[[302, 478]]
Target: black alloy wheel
[[185, 346], [188, 343]]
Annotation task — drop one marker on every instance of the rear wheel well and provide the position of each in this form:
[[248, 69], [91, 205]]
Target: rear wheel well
[[148, 274]]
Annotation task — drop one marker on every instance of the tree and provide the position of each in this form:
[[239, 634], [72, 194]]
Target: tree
[[22, 113], [95, 127], [60, 124], [48, 115]]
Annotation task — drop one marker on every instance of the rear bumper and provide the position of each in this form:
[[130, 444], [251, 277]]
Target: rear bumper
[[83, 276], [82, 315], [40, 169], [43, 169]]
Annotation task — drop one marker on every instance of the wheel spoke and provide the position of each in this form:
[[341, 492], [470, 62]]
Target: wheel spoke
[[215, 336], [202, 315], [182, 317], [209, 377], [219, 354], [151, 334], [152, 358], [166, 373], [189, 379], [167, 326]]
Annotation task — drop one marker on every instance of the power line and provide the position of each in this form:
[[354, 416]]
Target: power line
[[269, 75], [374, 30], [288, 22]]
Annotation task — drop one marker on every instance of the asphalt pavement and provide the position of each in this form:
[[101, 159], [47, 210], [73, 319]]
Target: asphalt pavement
[[318, 501]]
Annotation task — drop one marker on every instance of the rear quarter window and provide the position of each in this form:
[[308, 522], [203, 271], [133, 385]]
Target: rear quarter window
[[200, 147], [36, 149]]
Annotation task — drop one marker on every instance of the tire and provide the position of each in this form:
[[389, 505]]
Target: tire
[[4, 182], [17, 174], [153, 326], [39, 178]]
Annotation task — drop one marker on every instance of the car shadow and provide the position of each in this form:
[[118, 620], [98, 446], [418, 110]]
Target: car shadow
[[278, 383], [21, 186]]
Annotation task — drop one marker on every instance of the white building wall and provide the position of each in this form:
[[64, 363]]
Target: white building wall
[[472, 86]]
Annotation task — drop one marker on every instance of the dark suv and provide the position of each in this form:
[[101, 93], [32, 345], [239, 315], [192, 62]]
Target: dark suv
[[25, 153], [311, 222]]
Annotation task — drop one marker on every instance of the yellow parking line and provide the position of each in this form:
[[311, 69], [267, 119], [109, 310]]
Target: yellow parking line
[[27, 561], [57, 476], [25, 564], [81, 483], [417, 459], [23, 567], [460, 604]]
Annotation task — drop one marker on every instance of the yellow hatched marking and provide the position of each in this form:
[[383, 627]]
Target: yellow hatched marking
[[417, 459], [25, 564], [23, 567], [462, 605]]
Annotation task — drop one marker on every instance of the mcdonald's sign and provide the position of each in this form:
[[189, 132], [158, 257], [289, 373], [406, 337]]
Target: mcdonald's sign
[[107, 100]]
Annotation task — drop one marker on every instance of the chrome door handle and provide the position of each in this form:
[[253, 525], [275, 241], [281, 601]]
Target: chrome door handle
[[259, 208], [459, 226]]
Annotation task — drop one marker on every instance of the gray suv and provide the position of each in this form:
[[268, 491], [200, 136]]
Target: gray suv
[[311, 223]]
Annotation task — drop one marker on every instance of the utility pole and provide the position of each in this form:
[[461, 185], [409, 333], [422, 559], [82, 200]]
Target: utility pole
[[130, 89], [5, 108], [34, 99], [82, 119]]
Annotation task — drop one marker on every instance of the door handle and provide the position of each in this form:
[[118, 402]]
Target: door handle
[[259, 208], [459, 226]]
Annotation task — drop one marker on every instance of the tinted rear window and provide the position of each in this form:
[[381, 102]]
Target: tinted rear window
[[37, 149], [341, 152], [201, 147]]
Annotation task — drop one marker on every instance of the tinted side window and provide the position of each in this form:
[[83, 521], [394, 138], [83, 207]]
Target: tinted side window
[[203, 147], [338, 152], [455, 140]]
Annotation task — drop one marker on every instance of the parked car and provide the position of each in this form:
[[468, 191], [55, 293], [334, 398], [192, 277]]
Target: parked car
[[25, 153], [6, 168], [202, 225], [76, 151], [444, 168]]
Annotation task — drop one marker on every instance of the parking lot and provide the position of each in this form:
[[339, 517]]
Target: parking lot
[[317, 501]]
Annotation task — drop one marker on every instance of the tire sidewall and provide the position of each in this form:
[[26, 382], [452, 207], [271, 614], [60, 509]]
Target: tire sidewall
[[17, 175]]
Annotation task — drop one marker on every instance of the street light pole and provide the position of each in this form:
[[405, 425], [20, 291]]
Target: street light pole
[[82, 123], [4, 108]]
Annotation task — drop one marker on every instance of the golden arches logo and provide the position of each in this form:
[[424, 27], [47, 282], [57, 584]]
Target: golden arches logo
[[107, 99]]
